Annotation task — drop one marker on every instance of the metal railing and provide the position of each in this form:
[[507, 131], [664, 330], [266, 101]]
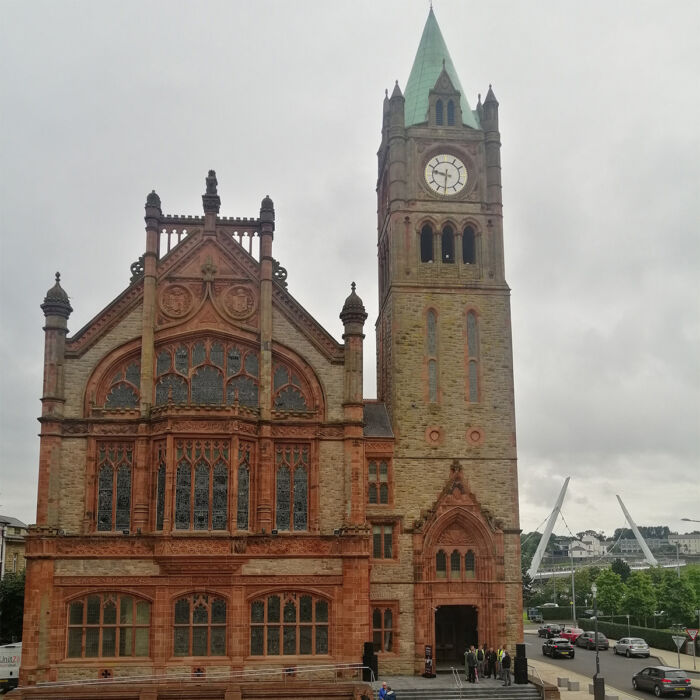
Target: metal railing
[[335, 672], [458, 680]]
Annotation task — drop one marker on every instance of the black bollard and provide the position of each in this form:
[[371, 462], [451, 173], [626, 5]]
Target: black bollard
[[520, 665]]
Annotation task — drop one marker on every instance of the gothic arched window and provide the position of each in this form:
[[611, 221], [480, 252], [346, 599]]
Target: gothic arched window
[[469, 564], [245, 450], [473, 356], [108, 625], [450, 113], [292, 487], [201, 485], [426, 244], [441, 564], [468, 246], [383, 629], [123, 391], [455, 564], [200, 626], [160, 484], [287, 390], [448, 245], [114, 462], [438, 113]]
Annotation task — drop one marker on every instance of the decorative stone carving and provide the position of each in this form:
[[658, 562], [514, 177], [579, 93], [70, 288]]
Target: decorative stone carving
[[176, 300], [239, 302]]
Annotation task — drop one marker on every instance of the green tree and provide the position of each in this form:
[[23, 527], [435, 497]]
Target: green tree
[[639, 600], [11, 607], [691, 573], [677, 597], [620, 566], [611, 591]]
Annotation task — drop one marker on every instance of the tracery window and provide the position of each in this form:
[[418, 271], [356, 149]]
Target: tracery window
[[378, 477], [431, 355], [201, 484], [292, 487], [287, 390], [123, 390], [114, 462], [462, 564], [468, 246], [448, 245], [245, 451], [207, 372], [289, 624], [160, 484], [426, 244], [455, 564], [438, 113], [383, 629], [109, 625], [469, 565], [473, 356], [200, 626]]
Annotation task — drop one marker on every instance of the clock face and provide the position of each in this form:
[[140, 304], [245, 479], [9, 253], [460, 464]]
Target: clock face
[[446, 174]]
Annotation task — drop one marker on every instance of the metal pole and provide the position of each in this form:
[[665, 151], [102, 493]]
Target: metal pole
[[598, 680], [629, 634], [573, 584], [678, 561]]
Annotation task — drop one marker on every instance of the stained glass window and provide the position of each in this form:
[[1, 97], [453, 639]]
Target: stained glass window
[[200, 626], [114, 463], [288, 390], [289, 624], [244, 461], [292, 503], [124, 388], [171, 388], [160, 486], [95, 629], [201, 489], [207, 386]]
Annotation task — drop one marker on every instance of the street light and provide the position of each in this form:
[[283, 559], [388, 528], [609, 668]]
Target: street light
[[629, 634], [598, 681]]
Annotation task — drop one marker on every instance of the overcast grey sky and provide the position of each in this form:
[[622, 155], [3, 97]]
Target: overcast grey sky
[[599, 104]]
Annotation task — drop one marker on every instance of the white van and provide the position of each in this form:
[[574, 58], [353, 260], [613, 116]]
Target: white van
[[10, 657]]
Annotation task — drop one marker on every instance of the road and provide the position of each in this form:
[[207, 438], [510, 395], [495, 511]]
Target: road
[[617, 670]]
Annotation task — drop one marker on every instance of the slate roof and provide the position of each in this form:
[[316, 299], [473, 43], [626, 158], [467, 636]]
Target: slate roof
[[12, 522], [376, 420], [427, 66]]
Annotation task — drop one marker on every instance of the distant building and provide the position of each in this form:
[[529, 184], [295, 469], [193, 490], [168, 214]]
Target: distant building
[[687, 544], [12, 532], [588, 546]]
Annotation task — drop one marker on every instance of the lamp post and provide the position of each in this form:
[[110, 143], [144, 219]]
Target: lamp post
[[598, 680], [573, 586]]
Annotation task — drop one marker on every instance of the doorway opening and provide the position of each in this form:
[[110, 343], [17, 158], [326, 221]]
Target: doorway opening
[[456, 629]]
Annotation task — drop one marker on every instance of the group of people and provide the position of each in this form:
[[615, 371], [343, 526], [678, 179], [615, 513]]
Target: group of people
[[485, 661], [386, 693]]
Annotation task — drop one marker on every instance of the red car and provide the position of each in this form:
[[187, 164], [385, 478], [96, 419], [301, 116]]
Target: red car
[[571, 633]]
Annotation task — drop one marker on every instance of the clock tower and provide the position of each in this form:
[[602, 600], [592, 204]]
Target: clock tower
[[444, 355]]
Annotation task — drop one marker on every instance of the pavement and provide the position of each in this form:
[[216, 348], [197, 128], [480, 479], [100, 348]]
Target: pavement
[[550, 672]]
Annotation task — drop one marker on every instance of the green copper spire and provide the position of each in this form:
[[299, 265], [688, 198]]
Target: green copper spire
[[427, 66]]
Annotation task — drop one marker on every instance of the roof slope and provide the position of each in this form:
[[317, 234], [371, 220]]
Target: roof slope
[[427, 66]]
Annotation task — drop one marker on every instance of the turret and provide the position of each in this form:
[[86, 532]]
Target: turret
[[353, 317], [493, 148], [57, 309]]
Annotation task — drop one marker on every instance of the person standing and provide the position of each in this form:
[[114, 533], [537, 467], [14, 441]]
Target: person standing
[[480, 662], [505, 663], [471, 664], [499, 667], [491, 662], [383, 691]]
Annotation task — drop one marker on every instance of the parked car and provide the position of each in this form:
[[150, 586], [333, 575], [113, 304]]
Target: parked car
[[587, 639], [586, 614], [632, 646], [549, 630], [571, 633], [558, 646], [662, 680]]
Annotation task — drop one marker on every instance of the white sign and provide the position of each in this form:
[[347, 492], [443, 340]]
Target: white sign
[[680, 641], [692, 633]]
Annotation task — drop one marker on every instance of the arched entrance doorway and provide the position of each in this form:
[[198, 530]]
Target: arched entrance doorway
[[456, 629]]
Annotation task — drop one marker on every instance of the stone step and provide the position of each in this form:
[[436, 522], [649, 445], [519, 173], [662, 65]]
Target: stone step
[[515, 692]]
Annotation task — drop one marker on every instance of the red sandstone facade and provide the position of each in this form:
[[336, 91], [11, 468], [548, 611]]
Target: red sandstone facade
[[214, 492]]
